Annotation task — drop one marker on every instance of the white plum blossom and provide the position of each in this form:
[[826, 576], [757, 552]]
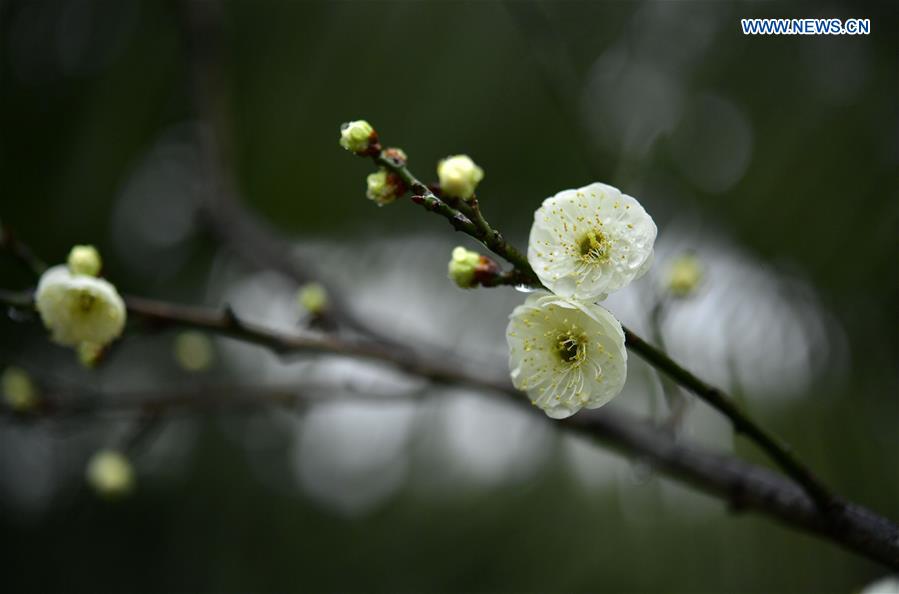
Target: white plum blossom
[[565, 354], [588, 242], [79, 309]]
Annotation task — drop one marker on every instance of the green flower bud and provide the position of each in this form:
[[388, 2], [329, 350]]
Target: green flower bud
[[193, 351], [89, 354], [459, 176], [19, 392], [110, 474], [357, 136], [85, 259], [313, 298], [463, 266], [383, 187], [684, 276]]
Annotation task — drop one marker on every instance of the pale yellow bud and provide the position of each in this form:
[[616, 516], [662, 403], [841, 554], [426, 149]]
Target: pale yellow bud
[[357, 136], [462, 267], [110, 474], [85, 259], [382, 188], [459, 176], [193, 351], [684, 276], [19, 392], [313, 298]]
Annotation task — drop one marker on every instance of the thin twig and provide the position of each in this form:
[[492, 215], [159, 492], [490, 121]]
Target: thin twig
[[491, 238], [742, 423], [674, 398]]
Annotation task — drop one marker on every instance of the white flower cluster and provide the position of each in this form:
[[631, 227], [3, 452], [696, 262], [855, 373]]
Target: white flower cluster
[[565, 351]]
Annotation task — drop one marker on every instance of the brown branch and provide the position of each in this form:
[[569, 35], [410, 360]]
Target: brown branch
[[65, 404], [744, 486], [748, 487]]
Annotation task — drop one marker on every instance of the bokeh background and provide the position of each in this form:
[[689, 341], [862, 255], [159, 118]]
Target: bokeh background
[[773, 159]]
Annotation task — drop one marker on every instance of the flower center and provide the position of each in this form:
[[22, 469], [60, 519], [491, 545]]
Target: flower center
[[594, 247], [571, 347], [85, 301]]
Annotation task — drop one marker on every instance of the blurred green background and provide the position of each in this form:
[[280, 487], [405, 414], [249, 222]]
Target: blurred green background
[[782, 149]]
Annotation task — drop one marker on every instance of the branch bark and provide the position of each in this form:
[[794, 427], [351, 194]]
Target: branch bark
[[744, 486]]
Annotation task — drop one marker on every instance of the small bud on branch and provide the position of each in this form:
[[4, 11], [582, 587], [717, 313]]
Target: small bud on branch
[[684, 276], [359, 138], [85, 259], [313, 298], [459, 176], [383, 187]]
